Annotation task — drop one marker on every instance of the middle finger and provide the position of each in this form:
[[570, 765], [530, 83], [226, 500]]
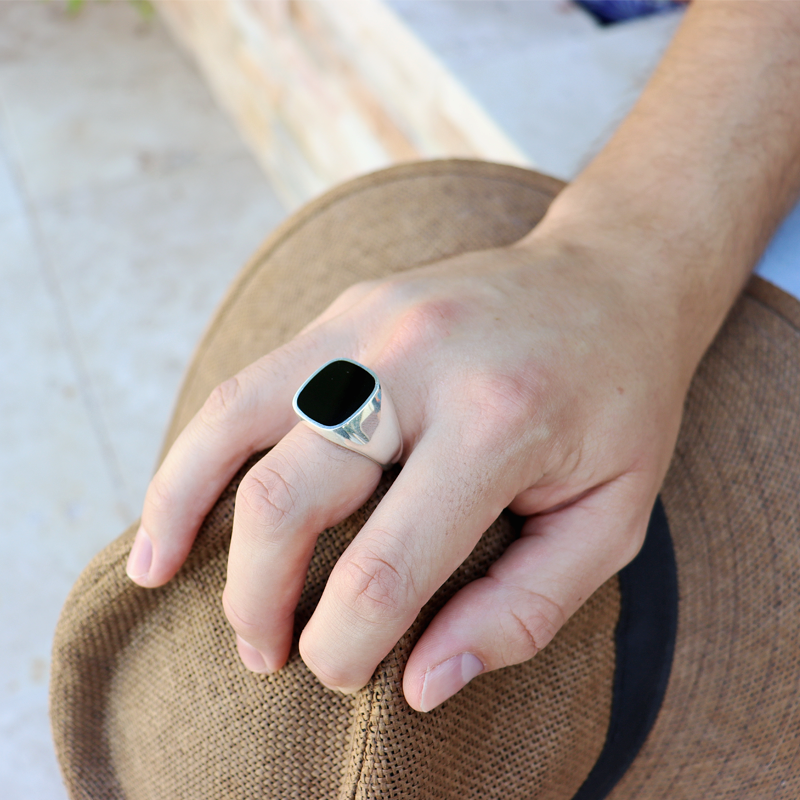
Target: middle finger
[[302, 486]]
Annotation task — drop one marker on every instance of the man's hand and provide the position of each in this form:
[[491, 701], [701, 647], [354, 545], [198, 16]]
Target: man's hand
[[523, 377], [547, 377]]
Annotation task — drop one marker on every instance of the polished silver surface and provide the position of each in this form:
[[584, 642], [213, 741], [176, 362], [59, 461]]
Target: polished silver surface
[[372, 431]]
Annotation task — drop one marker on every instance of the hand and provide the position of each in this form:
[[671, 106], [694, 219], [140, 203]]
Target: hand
[[548, 377], [540, 377]]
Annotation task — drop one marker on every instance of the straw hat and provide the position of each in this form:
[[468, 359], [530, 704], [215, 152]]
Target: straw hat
[[679, 678]]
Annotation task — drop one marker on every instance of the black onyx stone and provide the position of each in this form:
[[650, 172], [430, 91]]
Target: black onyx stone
[[335, 393]]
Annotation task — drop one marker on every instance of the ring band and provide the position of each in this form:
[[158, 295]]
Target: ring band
[[345, 402]]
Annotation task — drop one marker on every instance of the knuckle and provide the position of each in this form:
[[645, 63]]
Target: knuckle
[[242, 621], [419, 327], [160, 498], [224, 402], [500, 405], [376, 589], [391, 293], [266, 495], [254, 627], [356, 291], [528, 625]]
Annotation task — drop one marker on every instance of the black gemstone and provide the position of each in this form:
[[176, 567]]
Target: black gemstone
[[335, 393]]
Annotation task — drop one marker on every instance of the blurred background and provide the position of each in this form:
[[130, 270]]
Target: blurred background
[[145, 151]]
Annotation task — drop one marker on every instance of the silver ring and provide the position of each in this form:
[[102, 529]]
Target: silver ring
[[345, 402]]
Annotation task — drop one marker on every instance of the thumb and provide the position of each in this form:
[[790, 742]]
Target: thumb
[[543, 578]]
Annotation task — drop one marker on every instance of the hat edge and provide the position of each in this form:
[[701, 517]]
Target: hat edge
[[546, 185], [774, 298]]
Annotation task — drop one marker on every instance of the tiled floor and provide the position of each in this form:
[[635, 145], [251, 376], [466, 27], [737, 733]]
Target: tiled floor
[[127, 203]]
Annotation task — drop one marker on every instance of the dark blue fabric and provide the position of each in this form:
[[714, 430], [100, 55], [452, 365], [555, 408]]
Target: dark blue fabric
[[645, 644], [609, 11]]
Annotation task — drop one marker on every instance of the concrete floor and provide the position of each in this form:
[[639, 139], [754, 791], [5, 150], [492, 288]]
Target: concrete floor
[[127, 204]]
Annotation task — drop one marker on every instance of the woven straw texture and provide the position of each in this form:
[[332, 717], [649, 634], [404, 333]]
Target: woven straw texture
[[149, 700], [730, 723]]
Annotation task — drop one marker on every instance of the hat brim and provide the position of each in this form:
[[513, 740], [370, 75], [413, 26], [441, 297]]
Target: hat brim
[[208, 728]]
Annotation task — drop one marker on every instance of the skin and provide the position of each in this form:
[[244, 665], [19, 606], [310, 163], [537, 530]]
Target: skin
[[548, 377]]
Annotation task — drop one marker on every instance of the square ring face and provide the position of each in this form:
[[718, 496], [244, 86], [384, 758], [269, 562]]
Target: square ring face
[[335, 392]]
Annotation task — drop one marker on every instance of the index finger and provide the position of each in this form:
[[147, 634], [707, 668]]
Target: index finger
[[245, 414]]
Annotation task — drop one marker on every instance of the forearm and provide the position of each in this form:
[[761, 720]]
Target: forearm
[[701, 172]]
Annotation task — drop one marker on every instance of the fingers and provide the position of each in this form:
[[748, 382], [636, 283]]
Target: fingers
[[428, 523], [302, 486], [247, 413], [422, 530], [528, 594]]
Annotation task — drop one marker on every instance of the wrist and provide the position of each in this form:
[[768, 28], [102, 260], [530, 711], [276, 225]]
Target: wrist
[[684, 197], [657, 268]]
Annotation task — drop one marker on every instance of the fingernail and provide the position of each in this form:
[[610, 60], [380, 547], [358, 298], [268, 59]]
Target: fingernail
[[251, 658], [141, 556], [448, 678]]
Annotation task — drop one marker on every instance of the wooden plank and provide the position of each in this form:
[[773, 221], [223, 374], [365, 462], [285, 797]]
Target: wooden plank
[[323, 90]]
